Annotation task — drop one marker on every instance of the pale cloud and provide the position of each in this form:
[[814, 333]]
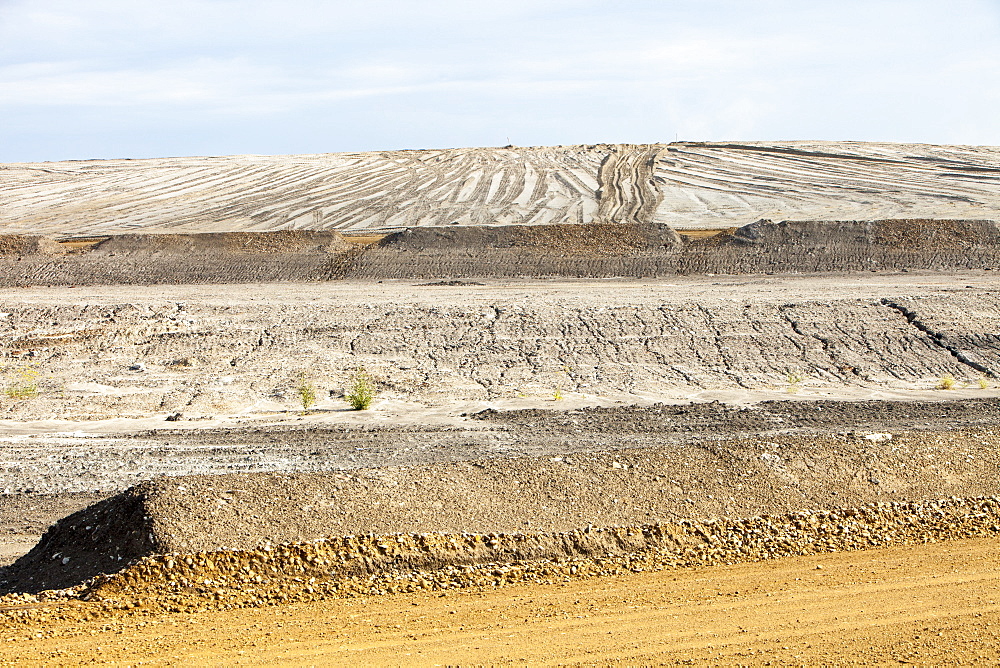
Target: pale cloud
[[71, 84], [213, 76]]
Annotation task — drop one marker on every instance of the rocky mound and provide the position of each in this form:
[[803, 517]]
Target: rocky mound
[[373, 564], [899, 234], [592, 240], [591, 250], [380, 564], [17, 245], [211, 257], [705, 480], [845, 246], [594, 250], [281, 241], [606, 250]]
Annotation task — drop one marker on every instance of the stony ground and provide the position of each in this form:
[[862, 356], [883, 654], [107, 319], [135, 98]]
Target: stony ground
[[451, 360], [931, 604]]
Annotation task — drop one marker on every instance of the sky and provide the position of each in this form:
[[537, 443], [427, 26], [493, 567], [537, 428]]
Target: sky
[[136, 78]]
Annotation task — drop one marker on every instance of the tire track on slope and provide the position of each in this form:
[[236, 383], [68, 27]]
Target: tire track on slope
[[797, 183], [941, 339], [628, 193]]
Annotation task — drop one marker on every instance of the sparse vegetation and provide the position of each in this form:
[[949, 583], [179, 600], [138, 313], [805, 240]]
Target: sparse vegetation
[[307, 393], [557, 395], [984, 382], [361, 391], [794, 379], [23, 385], [947, 382]]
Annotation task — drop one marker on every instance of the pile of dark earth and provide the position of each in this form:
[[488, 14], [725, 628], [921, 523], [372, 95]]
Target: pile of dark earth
[[594, 250], [545, 471]]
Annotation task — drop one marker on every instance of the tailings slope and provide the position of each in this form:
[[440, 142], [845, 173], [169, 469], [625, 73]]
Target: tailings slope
[[685, 185]]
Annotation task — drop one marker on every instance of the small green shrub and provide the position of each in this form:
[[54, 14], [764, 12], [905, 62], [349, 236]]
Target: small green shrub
[[946, 382], [361, 390], [794, 378], [24, 386], [984, 382], [307, 393], [557, 395]]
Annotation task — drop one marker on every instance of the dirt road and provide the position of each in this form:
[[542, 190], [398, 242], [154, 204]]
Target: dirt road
[[933, 603]]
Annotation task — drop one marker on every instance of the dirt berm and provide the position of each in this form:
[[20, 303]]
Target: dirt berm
[[211, 257], [281, 241], [17, 245], [710, 479], [596, 250], [647, 251]]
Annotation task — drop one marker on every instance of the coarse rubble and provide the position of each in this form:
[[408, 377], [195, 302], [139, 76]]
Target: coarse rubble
[[619, 484], [373, 564]]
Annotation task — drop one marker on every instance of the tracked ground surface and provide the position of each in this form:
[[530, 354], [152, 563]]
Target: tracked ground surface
[[835, 391], [193, 353], [683, 184], [346, 191], [596, 250]]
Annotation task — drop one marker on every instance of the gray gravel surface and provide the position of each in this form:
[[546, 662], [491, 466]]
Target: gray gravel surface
[[42, 465]]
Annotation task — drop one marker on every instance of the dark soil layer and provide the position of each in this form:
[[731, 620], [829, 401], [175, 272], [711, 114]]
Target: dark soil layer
[[593, 240], [762, 247], [591, 250], [715, 418]]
